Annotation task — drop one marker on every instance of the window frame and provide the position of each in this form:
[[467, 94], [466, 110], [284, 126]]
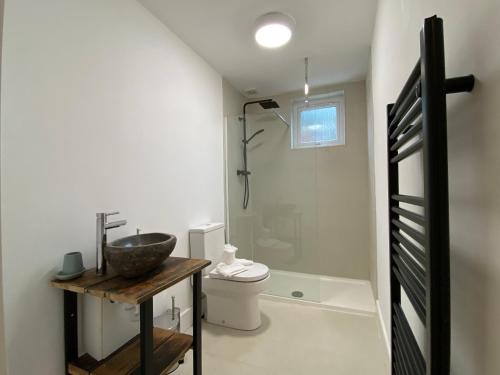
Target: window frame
[[333, 99]]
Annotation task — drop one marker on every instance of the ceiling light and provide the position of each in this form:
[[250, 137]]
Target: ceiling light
[[274, 29]]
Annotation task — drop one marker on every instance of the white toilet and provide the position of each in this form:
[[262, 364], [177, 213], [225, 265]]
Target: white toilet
[[231, 301]]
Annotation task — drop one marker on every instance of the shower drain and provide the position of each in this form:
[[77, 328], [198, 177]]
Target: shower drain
[[297, 294]]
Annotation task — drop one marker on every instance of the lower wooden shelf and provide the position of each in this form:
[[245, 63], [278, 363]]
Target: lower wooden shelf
[[169, 348]]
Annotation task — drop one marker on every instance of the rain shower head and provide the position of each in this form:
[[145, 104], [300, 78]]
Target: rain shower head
[[268, 104], [264, 103]]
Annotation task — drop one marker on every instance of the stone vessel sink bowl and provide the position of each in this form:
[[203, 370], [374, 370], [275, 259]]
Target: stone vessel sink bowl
[[136, 255]]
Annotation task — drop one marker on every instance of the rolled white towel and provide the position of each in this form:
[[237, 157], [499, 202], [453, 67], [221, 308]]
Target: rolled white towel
[[229, 254], [228, 270]]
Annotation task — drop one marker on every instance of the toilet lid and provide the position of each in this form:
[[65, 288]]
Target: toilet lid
[[256, 272]]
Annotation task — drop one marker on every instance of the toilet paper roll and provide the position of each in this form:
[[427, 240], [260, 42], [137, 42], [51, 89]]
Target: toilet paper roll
[[229, 254]]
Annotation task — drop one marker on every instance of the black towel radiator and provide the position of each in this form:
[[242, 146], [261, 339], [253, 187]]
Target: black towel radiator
[[419, 226]]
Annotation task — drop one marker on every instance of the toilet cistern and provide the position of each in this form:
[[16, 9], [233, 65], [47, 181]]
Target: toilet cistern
[[102, 226]]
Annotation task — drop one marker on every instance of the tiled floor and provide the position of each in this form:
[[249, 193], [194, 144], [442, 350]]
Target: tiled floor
[[295, 340]]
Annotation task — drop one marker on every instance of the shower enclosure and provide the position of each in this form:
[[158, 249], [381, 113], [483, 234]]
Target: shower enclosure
[[274, 216], [271, 204]]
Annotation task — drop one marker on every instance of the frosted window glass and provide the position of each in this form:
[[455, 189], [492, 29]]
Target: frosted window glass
[[318, 125]]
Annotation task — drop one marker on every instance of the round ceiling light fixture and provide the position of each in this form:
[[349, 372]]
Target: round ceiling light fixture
[[273, 30]]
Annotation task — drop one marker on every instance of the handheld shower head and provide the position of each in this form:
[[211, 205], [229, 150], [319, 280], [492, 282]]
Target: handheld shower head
[[253, 135]]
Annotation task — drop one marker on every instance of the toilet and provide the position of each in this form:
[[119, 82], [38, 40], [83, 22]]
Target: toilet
[[231, 301]]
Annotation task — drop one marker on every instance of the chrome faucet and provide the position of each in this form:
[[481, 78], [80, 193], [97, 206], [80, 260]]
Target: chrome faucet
[[102, 227]]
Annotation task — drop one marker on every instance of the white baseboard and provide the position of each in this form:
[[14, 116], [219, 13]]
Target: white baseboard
[[383, 329]]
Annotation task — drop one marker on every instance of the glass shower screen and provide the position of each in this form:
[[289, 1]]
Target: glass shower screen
[[279, 226]]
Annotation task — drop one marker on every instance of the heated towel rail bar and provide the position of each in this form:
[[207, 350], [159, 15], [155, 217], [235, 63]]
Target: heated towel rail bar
[[419, 226]]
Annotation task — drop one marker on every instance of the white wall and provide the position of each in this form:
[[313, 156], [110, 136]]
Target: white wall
[[372, 214], [232, 100], [471, 33], [3, 366], [103, 108]]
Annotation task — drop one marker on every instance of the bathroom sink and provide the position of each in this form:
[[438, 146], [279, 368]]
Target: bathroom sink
[[136, 255]]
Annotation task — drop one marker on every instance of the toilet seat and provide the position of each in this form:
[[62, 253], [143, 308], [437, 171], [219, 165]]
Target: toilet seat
[[256, 272]]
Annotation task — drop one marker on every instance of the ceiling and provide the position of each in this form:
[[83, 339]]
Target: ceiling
[[334, 34]]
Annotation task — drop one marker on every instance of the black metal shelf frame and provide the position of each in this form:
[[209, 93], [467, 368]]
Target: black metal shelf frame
[[146, 330], [419, 243]]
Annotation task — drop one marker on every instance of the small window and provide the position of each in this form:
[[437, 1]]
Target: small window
[[319, 123]]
